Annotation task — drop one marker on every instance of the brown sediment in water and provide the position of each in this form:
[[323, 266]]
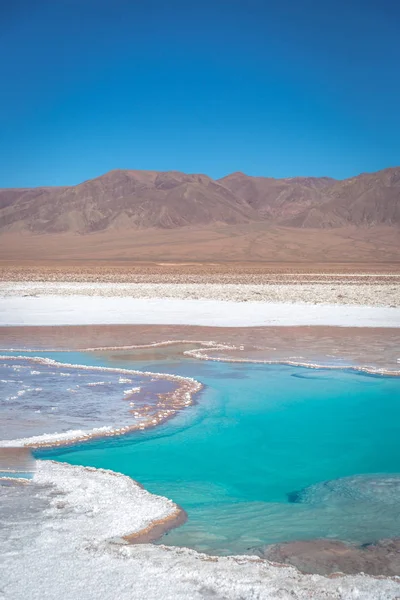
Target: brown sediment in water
[[16, 462], [203, 355], [218, 352], [15, 457], [155, 530], [367, 347], [331, 557], [369, 350], [372, 350]]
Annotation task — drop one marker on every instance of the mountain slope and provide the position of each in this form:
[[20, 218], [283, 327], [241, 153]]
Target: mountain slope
[[123, 199], [136, 200], [367, 200], [279, 198]]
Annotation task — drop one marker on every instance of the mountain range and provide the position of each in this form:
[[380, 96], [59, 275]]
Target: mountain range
[[140, 200]]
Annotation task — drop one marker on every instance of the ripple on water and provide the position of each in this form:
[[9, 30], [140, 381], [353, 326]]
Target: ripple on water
[[381, 489]]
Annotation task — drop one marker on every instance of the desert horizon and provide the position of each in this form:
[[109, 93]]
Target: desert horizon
[[146, 216]]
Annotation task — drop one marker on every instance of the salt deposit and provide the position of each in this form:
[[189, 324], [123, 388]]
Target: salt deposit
[[341, 291], [91, 310], [100, 411], [65, 541]]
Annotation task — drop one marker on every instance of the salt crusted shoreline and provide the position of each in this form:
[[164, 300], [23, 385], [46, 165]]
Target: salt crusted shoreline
[[170, 405], [180, 399], [79, 550]]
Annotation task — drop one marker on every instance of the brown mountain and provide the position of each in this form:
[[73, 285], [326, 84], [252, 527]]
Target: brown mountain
[[279, 198], [123, 199], [140, 200], [369, 199]]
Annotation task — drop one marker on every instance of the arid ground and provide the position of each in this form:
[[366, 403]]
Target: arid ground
[[254, 246]]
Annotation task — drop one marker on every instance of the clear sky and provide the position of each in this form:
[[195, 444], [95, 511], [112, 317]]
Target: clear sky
[[276, 88]]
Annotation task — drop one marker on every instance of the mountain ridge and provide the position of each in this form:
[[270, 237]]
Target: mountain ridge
[[134, 200]]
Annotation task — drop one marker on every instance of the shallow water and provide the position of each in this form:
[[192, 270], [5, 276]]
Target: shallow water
[[241, 460], [39, 397]]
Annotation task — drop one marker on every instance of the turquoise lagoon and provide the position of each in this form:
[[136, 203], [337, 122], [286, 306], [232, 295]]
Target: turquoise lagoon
[[268, 453]]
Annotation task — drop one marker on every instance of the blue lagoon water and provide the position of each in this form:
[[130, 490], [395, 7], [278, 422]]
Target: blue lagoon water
[[268, 453]]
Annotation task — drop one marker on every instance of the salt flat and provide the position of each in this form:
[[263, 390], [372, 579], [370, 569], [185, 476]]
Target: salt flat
[[90, 310]]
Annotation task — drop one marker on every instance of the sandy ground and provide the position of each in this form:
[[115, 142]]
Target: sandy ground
[[112, 271], [367, 291], [249, 242]]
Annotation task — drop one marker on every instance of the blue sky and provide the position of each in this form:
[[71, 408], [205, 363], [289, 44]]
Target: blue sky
[[275, 88]]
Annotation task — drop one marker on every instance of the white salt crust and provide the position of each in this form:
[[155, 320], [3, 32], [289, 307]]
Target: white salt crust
[[72, 550], [107, 310], [56, 438]]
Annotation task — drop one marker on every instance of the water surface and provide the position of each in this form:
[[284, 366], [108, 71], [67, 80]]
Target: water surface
[[250, 460]]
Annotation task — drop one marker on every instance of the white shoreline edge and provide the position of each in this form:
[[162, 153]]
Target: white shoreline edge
[[188, 387], [79, 543], [115, 519]]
